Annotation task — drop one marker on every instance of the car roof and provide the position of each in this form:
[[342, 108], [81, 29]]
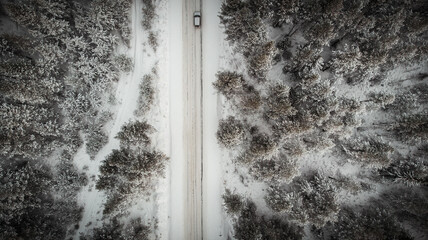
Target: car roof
[[197, 13]]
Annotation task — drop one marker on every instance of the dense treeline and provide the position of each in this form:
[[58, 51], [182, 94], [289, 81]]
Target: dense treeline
[[326, 50], [57, 64]]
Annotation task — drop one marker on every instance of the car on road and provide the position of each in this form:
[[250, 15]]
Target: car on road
[[197, 19]]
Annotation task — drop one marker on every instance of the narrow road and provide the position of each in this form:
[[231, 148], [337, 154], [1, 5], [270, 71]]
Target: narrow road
[[192, 59]]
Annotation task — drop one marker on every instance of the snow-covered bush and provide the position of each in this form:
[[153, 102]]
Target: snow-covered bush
[[135, 134], [252, 226], [229, 83], [96, 139], [313, 200], [317, 201], [250, 101], [241, 23], [321, 32], [123, 167], [410, 127], [279, 200], [409, 171], [278, 103], [262, 146], [149, 13], [261, 61], [369, 223], [279, 168], [369, 151], [114, 229], [146, 96], [231, 132], [123, 63], [153, 40], [232, 202]]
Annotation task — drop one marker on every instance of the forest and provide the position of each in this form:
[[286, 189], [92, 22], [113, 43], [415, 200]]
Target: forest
[[59, 72], [328, 111]]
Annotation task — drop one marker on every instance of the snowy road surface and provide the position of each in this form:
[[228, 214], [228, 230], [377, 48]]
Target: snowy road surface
[[196, 179], [193, 121]]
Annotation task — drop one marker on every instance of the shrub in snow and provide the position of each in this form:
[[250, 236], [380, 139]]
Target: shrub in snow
[[381, 100], [277, 228], [368, 151], [96, 139], [317, 201], [149, 14], [252, 226], [124, 172], [411, 127], [122, 169], [114, 229], [232, 202], [409, 205], [240, 23], [313, 200], [410, 171], [124, 63], [146, 96], [247, 226], [250, 100], [279, 168], [135, 134], [283, 11], [321, 32], [153, 40], [263, 146], [229, 83], [349, 184], [368, 223], [279, 200], [305, 56], [278, 103], [261, 61], [231, 132]]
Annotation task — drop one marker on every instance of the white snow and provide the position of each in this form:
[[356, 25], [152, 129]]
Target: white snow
[[176, 110], [212, 37]]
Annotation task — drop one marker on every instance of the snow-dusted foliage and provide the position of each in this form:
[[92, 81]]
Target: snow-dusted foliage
[[29, 206], [229, 83], [114, 229], [250, 225], [233, 203], [369, 223], [146, 96], [57, 67], [231, 132], [132, 170], [351, 100], [314, 200], [123, 63]]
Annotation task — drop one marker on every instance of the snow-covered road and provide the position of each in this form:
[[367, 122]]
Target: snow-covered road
[[193, 121], [195, 156]]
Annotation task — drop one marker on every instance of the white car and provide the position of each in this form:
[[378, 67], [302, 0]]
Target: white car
[[197, 19]]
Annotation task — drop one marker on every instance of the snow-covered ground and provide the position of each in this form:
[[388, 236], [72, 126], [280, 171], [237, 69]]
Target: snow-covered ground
[[176, 110], [212, 38]]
